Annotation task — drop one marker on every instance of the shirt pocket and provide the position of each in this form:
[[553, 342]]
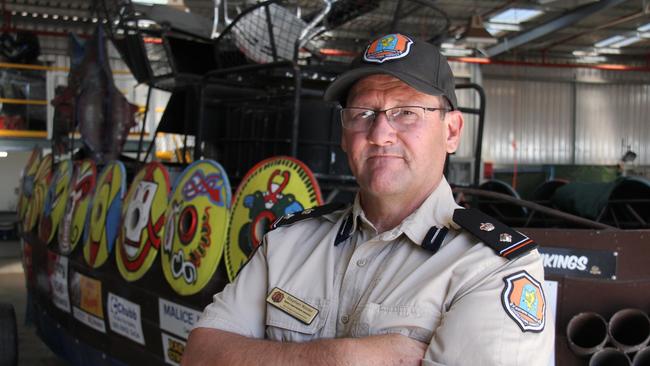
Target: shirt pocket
[[281, 326], [416, 321]]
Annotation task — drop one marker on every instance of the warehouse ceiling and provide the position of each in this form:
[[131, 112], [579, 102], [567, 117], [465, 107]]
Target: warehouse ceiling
[[570, 31]]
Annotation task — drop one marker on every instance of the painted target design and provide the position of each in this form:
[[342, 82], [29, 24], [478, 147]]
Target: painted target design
[[143, 221], [55, 201], [195, 226], [72, 224], [41, 186], [104, 214], [271, 189], [27, 181]]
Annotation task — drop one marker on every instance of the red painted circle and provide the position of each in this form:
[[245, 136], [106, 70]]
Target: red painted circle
[[187, 224]]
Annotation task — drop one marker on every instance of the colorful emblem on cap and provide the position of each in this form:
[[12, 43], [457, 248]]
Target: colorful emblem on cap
[[523, 299], [388, 47]]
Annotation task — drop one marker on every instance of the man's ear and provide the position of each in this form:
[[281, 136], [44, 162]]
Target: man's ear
[[454, 124]]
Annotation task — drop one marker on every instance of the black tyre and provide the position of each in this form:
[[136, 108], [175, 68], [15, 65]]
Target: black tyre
[[8, 336]]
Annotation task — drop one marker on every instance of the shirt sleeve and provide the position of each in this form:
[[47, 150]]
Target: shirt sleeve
[[241, 306], [487, 324]]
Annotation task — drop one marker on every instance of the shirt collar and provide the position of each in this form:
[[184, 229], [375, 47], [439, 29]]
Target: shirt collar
[[436, 210]]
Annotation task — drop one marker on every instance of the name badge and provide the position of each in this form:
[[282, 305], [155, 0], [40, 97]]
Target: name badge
[[292, 305]]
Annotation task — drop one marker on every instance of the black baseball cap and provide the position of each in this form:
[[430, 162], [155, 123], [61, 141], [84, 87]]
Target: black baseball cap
[[414, 61]]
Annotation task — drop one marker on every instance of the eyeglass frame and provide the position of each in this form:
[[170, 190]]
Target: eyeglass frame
[[378, 112]]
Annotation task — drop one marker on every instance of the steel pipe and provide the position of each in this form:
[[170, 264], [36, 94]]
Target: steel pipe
[[587, 333], [642, 358], [609, 357], [629, 330]]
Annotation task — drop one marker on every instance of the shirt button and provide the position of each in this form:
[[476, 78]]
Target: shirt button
[[362, 262], [345, 319]]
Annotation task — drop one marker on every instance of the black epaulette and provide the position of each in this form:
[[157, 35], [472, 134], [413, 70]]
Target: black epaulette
[[307, 214], [504, 240]]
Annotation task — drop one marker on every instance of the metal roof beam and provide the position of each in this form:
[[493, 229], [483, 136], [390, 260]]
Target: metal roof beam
[[565, 20]]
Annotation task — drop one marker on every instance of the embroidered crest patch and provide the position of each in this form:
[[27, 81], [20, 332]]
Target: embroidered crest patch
[[523, 299], [388, 47]]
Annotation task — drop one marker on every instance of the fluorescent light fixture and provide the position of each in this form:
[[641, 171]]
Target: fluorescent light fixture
[[591, 59], [162, 2], [644, 28], [55, 16], [609, 51], [609, 41], [503, 26], [3, 154], [456, 52], [626, 42], [516, 15]]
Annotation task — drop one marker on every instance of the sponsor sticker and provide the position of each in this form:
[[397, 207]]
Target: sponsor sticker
[[124, 318], [523, 300], [86, 296], [58, 275], [177, 319], [173, 349], [579, 262]]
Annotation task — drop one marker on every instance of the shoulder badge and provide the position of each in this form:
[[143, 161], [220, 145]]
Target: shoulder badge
[[307, 214], [504, 240], [523, 300]]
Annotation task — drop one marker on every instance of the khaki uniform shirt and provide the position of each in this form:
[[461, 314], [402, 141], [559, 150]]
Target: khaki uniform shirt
[[377, 283]]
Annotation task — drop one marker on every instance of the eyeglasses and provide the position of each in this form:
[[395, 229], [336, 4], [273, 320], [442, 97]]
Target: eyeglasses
[[400, 118]]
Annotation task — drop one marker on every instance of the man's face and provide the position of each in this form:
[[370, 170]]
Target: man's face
[[405, 164]]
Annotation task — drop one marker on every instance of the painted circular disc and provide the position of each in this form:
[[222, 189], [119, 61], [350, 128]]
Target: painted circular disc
[[72, 224], [271, 189], [55, 201], [27, 181], [41, 186], [195, 226], [104, 214], [143, 221]]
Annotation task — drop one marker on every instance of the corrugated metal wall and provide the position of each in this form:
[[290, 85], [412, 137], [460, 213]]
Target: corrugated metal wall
[[609, 118], [530, 121], [565, 116]]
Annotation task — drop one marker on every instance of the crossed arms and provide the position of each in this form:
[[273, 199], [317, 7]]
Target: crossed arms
[[207, 346]]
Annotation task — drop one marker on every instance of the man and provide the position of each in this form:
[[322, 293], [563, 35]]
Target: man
[[404, 276]]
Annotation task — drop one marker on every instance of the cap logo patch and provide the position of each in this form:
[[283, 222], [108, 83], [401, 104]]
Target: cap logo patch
[[523, 300], [388, 47]]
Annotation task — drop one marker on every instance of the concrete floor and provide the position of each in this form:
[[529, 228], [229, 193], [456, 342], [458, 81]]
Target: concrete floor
[[31, 350]]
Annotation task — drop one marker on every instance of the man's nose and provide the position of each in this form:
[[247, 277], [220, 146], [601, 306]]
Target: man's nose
[[381, 131]]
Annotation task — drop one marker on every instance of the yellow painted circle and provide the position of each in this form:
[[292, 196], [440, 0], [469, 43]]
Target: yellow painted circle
[[195, 226], [72, 224], [104, 214], [55, 201], [143, 221], [41, 185], [27, 181], [271, 189]]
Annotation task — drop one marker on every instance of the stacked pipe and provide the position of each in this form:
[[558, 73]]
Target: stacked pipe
[[621, 341]]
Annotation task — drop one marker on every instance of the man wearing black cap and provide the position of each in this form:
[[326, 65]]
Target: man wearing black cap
[[404, 276]]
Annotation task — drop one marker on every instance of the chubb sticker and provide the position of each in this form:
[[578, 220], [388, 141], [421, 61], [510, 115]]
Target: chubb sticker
[[523, 299]]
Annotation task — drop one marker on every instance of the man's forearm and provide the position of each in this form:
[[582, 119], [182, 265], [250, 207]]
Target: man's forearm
[[216, 347]]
